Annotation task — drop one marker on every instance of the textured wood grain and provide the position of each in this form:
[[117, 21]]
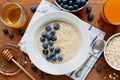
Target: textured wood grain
[[98, 22]]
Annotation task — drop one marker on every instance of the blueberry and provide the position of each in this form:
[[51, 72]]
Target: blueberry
[[52, 32], [75, 7], [54, 58], [99, 68], [52, 54], [65, 6], [47, 75], [50, 42], [48, 57], [44, 34], [42, 39], [61, 4], [90, 17], [21, 32], [70, 7], [51, 48], [60, 58], [56, 26], [45, 45], [78, 2], [71, 3], [54, 38], [88, 9], [33, 8], [40, 74], [10, 35], [34, 68], [58, 1], [49, 36], [5, 30], [57, 50], [48, 28], [64, 1], [45, 51], [83, 2]]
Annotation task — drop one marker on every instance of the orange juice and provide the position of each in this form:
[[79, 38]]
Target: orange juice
[[111, 12]]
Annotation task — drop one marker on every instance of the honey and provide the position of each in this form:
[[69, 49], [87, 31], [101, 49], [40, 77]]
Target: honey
[[13, 15], [111, 12]]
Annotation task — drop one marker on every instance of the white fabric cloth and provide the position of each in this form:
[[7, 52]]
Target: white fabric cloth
[[95, 34]]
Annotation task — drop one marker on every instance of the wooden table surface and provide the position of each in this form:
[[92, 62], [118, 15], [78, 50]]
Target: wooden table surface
[[97, 22]]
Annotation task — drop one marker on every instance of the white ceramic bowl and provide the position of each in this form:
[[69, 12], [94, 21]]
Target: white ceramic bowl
[[40, 61], [111, 53], [70, 10]]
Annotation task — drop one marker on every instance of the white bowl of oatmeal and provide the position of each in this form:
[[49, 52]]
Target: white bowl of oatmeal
[[72, 38], [112, 51]]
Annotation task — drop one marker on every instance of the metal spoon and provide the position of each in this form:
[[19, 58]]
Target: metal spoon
[[96, 48]]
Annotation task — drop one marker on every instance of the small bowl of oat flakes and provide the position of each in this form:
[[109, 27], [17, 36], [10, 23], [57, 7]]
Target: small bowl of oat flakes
[[112, 51]]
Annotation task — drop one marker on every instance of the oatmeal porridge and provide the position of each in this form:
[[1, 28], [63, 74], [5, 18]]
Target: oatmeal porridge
[[112, 51], [67, 40]]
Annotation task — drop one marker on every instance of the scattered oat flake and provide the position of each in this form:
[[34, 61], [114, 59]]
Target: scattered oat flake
[[105, 77], [25, 62]]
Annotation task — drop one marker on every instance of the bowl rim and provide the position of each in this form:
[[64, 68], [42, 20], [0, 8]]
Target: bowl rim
[[71, 10], [59, 69], [109, 39]]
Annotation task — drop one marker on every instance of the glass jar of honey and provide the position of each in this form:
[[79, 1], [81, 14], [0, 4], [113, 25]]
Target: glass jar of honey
[[111, 12], [13, 15]]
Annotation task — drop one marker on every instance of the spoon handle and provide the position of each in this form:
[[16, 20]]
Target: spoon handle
[[78, 73]]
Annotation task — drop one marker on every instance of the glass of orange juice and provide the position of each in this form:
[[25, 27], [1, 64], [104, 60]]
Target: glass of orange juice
[[13, 15], [111, 12]]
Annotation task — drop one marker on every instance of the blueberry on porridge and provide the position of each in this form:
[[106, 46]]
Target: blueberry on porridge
[[58, 41]]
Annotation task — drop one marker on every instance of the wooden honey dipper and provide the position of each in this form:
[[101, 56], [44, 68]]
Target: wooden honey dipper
[[6, 53]]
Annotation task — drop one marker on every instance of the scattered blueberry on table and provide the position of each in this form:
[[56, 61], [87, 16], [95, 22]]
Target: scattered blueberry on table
[[88, 9], [47, 75], [5, 30], [90, 17], [34, 68], [40, 74], [21, 31], [33, 8], [10, 35], [99, 68]]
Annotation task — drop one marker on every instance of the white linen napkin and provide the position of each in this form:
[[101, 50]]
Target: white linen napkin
[[95, 34]]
